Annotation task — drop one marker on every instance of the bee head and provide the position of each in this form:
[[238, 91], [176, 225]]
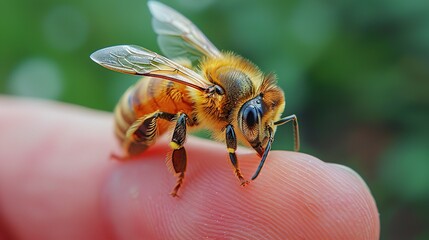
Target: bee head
[[256, 117], [250, 122]]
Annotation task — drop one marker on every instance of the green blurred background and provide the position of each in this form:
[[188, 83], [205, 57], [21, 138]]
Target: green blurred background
[[356, 73]]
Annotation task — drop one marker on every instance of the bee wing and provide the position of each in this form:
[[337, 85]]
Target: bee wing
[[178, 36], [136, 60]]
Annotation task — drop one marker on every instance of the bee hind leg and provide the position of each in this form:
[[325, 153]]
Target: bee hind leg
[[142, 134], [231, 144], [178, 156]]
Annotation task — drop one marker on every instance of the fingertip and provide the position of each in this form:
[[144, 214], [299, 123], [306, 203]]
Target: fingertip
[[359, 202], [334, 200], [296, 195]]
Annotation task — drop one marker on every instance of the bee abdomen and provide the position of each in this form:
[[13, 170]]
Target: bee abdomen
[[146, 97], [124, 115]]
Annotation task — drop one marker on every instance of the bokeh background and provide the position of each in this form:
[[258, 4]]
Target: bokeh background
[[356, 73]]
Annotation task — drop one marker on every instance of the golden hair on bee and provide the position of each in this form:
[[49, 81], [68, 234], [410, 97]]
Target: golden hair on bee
[[225, 94]]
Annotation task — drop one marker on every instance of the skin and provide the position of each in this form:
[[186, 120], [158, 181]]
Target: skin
[[57, 181]]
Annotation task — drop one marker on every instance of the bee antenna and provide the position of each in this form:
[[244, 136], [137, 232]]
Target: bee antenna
[[264, 156]]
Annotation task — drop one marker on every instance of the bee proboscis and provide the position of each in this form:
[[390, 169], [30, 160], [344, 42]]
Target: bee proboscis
[[225, 94]]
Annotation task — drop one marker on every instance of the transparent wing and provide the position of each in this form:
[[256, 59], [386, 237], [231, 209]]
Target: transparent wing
[[136, 60], [177, 36]]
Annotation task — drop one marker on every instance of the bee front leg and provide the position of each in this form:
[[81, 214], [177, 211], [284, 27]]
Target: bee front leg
[[178, 157], [231, 144]]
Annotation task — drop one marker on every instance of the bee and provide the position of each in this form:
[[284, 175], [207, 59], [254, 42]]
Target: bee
[[225, 94]]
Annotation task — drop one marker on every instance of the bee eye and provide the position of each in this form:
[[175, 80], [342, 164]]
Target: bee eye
[[249, 120], [250, 116]]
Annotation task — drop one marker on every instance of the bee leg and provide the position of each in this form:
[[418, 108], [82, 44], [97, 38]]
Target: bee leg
[[294, 120], [231, 144], [118, 157], [178, 157], [142, 133]]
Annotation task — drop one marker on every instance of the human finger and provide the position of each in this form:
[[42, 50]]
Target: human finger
[[295, 196]]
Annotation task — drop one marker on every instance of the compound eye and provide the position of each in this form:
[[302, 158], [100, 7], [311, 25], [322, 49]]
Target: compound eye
[[251, 117]]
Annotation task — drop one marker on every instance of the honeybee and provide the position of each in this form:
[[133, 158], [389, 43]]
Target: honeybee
[[225, 93]]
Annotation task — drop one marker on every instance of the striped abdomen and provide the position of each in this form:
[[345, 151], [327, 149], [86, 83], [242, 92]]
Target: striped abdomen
[[146, 97]]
